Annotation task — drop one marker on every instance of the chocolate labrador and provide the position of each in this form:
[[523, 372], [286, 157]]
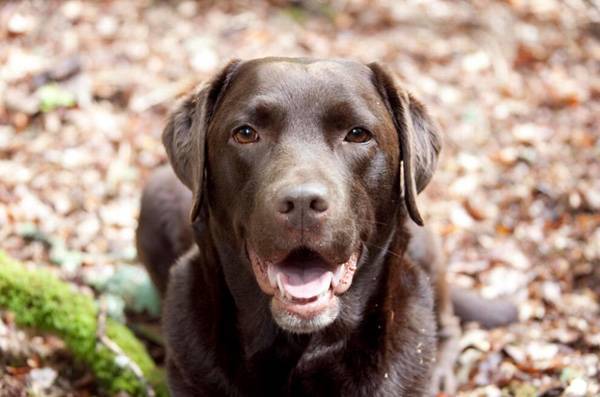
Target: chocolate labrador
[[292, 223]]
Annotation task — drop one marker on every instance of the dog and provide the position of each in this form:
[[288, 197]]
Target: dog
[[286, 240]]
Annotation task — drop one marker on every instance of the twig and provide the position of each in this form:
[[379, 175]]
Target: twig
[[113, 347]]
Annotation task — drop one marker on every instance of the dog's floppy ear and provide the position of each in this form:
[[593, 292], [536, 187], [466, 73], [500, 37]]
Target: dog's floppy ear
[[420, 141], [184, 135]]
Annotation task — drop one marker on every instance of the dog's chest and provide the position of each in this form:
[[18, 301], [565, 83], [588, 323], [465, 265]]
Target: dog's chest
[[317, 369]]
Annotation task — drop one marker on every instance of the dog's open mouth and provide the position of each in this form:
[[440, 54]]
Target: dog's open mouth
[[303, 283]]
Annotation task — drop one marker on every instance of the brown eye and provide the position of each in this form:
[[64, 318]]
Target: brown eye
[[358, 135], [245, 134]]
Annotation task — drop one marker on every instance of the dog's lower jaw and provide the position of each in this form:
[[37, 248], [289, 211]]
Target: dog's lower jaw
[[296, 324]]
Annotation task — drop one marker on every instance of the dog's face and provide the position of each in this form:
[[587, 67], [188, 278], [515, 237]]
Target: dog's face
[[302, 163]]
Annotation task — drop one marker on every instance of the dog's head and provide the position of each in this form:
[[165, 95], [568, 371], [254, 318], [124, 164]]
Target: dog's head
[[304, 165]]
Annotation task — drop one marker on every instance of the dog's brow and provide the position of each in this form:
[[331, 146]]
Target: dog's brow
[[345, 113], [264, 110], [265, 107]]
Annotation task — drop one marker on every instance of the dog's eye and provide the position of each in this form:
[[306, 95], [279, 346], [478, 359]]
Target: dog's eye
[[245, 134], [358, 135]]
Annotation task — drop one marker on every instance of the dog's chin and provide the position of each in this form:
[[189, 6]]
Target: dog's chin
[[304, 287], [291, 321]]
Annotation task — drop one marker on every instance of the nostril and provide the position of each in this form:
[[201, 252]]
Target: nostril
[[319, 205], [300, 201], [286, 206]]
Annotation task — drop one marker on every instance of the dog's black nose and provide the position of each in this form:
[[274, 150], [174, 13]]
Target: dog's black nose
[[303, 204]]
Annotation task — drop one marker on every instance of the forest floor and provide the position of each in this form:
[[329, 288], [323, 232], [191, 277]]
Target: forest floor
[[85, 88]]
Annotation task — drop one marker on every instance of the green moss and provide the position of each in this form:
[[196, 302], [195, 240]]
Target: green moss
[[39, 300], [519, 389]]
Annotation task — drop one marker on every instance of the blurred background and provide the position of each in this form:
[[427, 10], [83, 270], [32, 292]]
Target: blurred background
[[85, 88]]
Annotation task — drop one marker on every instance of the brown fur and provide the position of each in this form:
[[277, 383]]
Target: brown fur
[[221, 337]]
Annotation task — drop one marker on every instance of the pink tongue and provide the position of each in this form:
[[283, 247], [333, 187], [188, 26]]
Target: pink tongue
[[304, 283]]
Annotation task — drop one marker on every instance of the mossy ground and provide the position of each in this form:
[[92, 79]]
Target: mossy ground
[[39, 300]]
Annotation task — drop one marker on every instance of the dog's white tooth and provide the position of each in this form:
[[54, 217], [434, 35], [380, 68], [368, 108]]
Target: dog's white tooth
[[280, 285], [330, 283], [272, 274], [339, 272]]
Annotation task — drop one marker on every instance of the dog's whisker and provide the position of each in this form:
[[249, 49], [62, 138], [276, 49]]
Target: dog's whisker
[[387, 250], [363, 220]]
